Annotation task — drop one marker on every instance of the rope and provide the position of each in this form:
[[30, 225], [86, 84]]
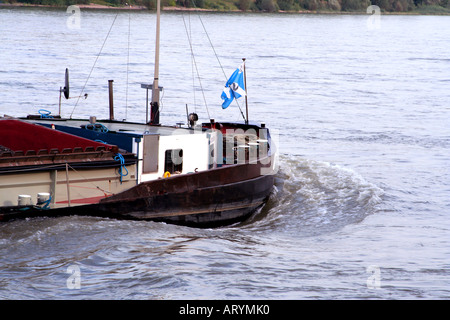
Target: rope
[[104, 42], [195, 64], [215, 54], [45, 114], [120, 158], [192, 66], [96, 186], [128, 61], [210, 42], [46, 204], [98, 127]]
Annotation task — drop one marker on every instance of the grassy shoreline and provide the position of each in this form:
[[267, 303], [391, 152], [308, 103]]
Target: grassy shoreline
[[425, 10]]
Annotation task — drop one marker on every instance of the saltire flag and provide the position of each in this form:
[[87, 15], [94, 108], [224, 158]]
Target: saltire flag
[[234, 88]]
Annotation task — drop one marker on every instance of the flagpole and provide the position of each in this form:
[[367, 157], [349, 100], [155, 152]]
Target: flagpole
[[246, 101]]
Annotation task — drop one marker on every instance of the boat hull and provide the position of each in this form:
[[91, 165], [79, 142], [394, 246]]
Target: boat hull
[[214, 198], [203, 207]]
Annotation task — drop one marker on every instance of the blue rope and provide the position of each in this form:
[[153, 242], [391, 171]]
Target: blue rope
[[46, 204], [45, 113], [97, 127], [120, 158]]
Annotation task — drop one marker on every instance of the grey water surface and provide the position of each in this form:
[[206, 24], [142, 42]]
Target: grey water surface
[[360, 208]]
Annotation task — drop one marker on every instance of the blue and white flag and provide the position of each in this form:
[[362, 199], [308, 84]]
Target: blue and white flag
[[234, 88]]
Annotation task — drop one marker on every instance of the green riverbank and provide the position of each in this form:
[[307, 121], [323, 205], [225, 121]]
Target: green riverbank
[[436, 7]]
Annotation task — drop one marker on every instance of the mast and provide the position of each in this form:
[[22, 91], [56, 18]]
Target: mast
[[154, 117]]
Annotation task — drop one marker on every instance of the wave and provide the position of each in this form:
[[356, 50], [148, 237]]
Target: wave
[[313, 197], [429, 59], [393, 138]]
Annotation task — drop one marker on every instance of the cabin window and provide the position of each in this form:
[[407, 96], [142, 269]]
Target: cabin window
[[173, 161]]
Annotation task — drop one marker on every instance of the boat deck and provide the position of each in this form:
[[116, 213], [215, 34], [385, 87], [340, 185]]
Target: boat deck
[[27, 144]]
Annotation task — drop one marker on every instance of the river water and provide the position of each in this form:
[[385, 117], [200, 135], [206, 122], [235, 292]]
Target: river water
[[360, 208]]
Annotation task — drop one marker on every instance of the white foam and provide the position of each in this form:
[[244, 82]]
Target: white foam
[[315, 194]]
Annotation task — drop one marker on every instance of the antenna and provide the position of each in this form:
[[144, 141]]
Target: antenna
[[64, 90], [66, 84]]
